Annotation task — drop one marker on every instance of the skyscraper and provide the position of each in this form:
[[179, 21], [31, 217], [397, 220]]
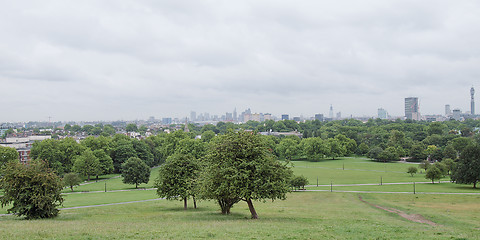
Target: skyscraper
[[382, 113], [448, 111], [193, 116], [472, 101], [330, 114], [411, 108]]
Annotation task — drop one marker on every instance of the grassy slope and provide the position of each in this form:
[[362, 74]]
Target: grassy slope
[[302, 216]]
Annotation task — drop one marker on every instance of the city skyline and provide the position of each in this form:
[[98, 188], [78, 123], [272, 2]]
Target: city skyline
[[88, 61]]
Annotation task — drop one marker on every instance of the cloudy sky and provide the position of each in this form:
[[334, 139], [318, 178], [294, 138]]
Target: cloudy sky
[[131, 59]]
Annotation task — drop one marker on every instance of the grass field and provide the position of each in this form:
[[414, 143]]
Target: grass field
[[304, 215]]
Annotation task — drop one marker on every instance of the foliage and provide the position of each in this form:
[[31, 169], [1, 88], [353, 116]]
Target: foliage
[[389, 154], [433, 173], [33, 189], [467, 170], [71, 180], [135, 171], [299, 182], [87, 164], [314, 148], [7, 154], [287, 148], [425, 164], [412, 170], [177, 178], [240, 167]]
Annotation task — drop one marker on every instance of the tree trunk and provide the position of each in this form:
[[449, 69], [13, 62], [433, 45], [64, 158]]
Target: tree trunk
[[433, 182], [194, 203], [71, 187], [252, 209], [88, 177], [136, 185], [185, 203], [475, 184]]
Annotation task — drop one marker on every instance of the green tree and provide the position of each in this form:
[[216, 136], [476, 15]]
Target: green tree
[[389, 154], [362, 149], [71, 180], [449, 152], [335, 148], [299, 182], [208, 135], [87, 164], [131, 127], [433, 173], [123, 150], [239, 167], [425, 164], [177, 178], [374, 152], [412, 170], [135, 171], [417, 152], [314, 148], [450, 164], [467, 170], [287, 148], [105, 162], [33, 189], [7, 154]]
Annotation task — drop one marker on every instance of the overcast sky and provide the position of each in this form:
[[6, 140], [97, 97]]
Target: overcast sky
[[127, 60]]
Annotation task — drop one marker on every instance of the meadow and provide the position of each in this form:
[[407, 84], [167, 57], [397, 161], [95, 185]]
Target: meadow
[[303, 215]]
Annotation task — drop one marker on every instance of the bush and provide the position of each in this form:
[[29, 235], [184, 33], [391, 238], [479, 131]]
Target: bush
[[299, 182], [34, 190]]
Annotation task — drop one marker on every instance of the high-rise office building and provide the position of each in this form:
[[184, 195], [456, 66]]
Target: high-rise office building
[[330, 114], [285, 117], [382, 113], [411, 108], [448, 111], [235, 118], [193, 116], [319, 117], [472, 101]]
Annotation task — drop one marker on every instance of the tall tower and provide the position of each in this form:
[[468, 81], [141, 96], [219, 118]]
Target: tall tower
[[472, 101], [330, 114]]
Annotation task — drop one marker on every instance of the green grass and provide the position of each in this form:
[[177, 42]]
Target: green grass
[[304, 215], [354, 170], [424, 187], [113, 182]]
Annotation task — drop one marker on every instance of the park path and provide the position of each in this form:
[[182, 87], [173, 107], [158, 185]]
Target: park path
[[370, 184], [411, 217]]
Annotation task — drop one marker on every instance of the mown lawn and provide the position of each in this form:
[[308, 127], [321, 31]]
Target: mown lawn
[[355, 170], [304, 215]]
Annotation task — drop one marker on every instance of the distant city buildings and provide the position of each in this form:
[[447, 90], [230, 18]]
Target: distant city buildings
[[382, 113], [285, 117], [319, 117], [411, 108]]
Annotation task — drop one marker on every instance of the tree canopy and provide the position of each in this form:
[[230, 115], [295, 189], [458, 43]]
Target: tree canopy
[[135, 171], [239, 166], [34, 190]]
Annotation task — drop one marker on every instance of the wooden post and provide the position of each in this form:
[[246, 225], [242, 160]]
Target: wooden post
[[331, 186], [413, 187], [317, 181]]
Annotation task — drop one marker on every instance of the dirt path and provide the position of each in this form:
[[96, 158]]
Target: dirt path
[[411, 217]]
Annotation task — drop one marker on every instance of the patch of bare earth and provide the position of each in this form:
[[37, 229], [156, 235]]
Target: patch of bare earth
[[411, 217]]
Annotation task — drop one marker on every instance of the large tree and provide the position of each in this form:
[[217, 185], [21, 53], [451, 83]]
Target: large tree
[[33, 189], [177, 178], [239, 167], [135, 171], [87, 164], [467, 170]]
